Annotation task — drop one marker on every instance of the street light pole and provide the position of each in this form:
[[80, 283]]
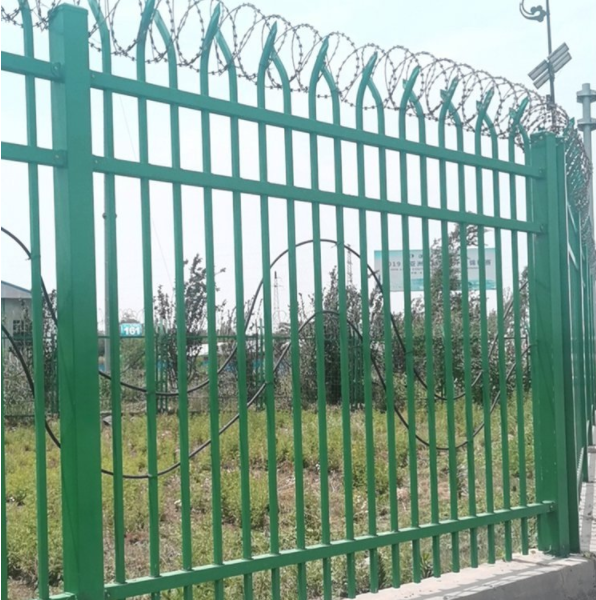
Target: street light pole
[[539, 13], [550, 51]]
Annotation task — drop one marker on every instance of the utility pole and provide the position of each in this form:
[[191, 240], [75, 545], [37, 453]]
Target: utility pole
[[587, 124], [276, 305], [350, 266]]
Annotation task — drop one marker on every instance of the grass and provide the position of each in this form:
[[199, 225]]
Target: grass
[[21, 496]]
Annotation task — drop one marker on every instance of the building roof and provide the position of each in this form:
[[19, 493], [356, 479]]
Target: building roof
[[9, 290]]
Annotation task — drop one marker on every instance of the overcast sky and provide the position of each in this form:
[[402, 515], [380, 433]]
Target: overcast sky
[[489, 35]]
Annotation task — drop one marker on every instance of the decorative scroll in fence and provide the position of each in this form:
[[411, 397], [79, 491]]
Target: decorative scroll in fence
[[386, 527]]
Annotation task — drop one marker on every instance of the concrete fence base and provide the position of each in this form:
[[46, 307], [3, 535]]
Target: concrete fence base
[[534, 577]]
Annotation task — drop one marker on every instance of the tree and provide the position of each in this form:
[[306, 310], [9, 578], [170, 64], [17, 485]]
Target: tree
[[332, 343], [195, 312], [50, 348], [457, 318]]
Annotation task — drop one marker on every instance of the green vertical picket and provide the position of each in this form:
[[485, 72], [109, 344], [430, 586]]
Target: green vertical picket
[[500, 292], [216, 509], [111, 310], [446, 277], [36, 318], [149, 328], [570, 406], [371, 493], [181, 336], [486, 400], [517, 129], [409, 350], [320, 324]]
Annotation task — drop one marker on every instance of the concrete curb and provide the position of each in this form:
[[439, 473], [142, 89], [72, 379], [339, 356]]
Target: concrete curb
[[537, 576]]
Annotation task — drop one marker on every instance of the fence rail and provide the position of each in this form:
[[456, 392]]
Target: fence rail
[[435, 430]]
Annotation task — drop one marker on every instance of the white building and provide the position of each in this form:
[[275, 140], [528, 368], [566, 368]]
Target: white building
[[16, 302]]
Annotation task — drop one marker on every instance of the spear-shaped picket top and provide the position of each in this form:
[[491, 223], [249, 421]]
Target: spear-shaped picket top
[[27, 22], [319, 65], [267, 54], [516, 115], [448, 108], [213, 34], [365, 80], [447, 98], [320, 69], [166, 37], [104, 34], [483, 104], [407, 97], [482, 118], [212, 30], [270, 56], [447, 95], [408, 87], [146, 19], [210, 34]]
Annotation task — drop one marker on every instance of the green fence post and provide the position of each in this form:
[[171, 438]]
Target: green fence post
[[568, 293], [77, 309], [548, 361]]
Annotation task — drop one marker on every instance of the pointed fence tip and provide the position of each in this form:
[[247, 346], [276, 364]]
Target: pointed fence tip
[[412, 78]]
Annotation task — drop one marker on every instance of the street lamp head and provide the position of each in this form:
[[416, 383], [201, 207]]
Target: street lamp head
[[535, 13]]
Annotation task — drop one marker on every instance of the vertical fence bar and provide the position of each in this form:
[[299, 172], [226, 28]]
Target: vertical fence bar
[[111, 308], [578, 313], [150, 341], [547, 352], [37, 319], [344, 344], [542, 521], [446, 276], [592, 342], [588, 342], [589, 365], [447, 98], [320, 324], [216, 510], [431, 399], [365, 83], [389, 382], [409, 334], [517, 326], [241, 332], [503, 396], [486, 400], [568, 332], [77, 309], [267, 56], [180, 317]]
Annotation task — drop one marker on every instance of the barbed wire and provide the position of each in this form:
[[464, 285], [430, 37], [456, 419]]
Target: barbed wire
[[246, 28]]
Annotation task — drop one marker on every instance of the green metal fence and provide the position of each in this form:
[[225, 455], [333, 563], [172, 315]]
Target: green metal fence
[[530, 206]]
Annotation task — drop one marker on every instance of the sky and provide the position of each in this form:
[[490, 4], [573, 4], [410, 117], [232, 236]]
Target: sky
[[489, 35]]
